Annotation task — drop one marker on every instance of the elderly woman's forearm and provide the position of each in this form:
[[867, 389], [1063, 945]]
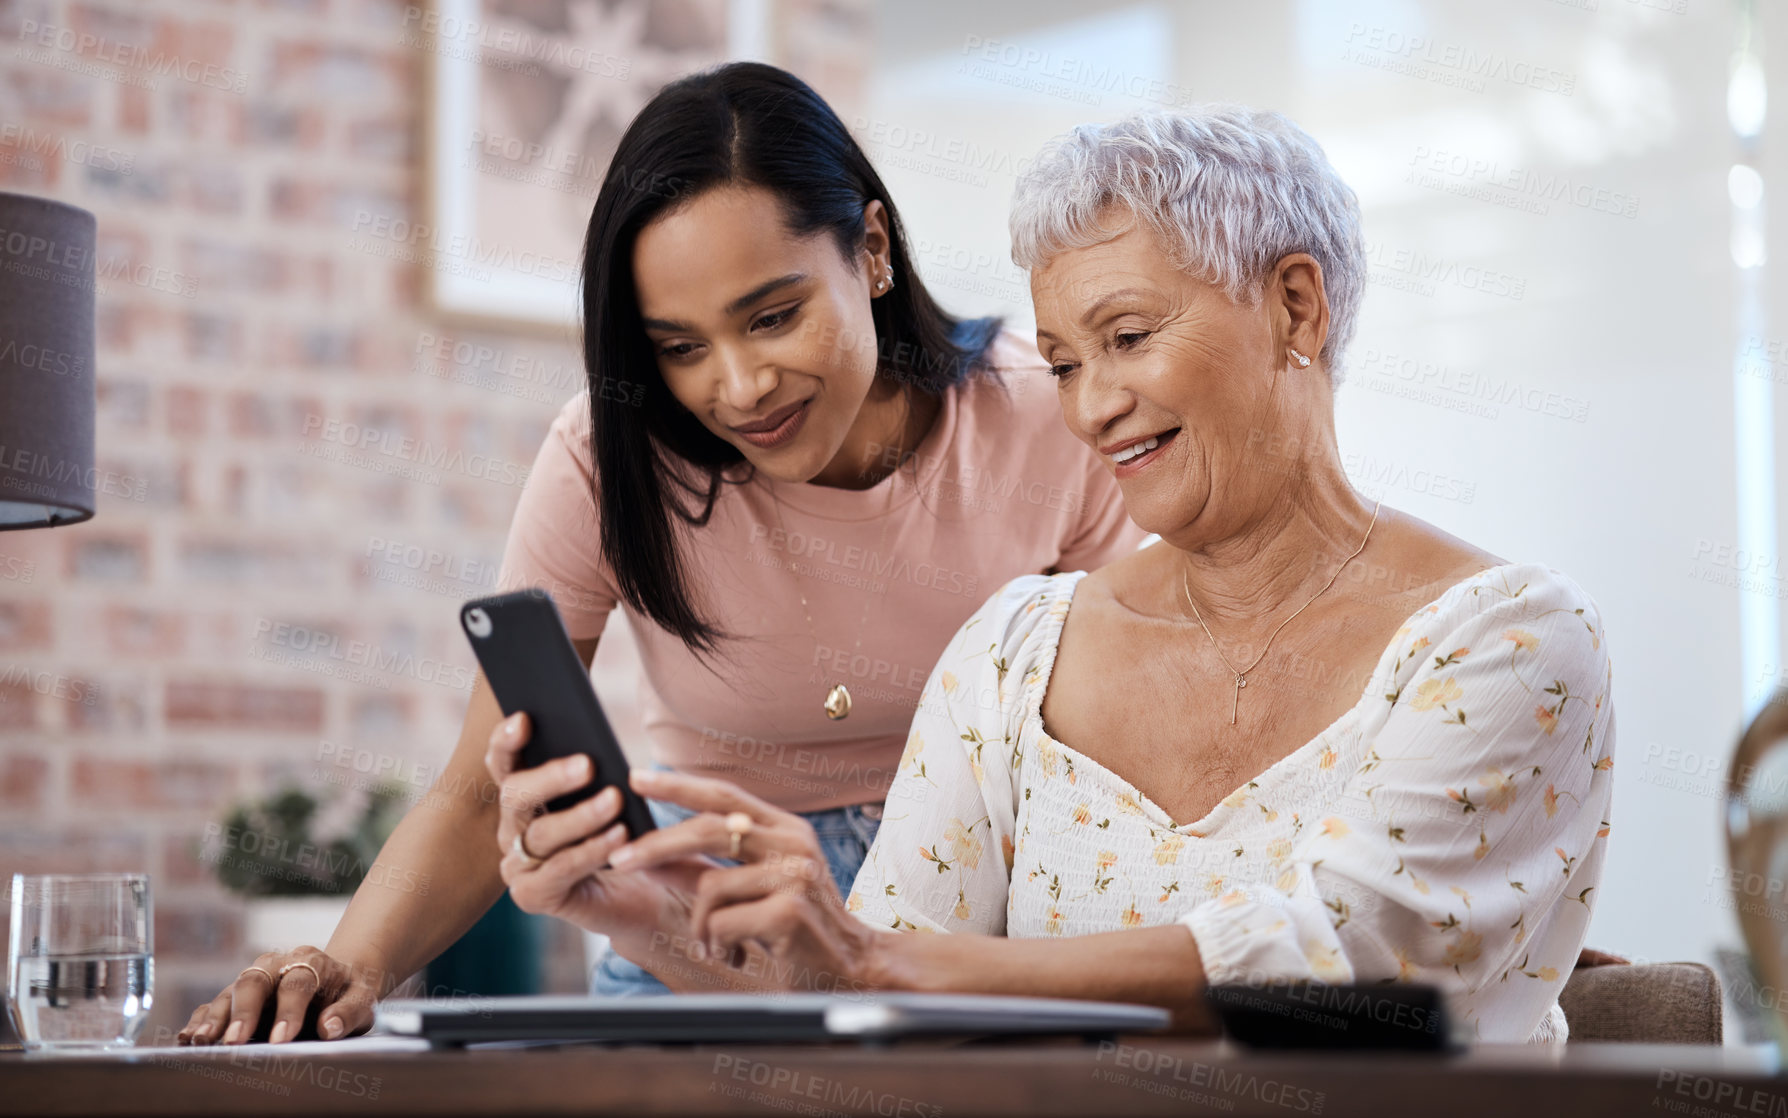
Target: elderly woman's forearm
[[1148, 966]]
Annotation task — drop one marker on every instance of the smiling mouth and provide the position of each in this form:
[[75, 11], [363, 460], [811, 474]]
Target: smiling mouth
[[778, 427], [1137, 455]]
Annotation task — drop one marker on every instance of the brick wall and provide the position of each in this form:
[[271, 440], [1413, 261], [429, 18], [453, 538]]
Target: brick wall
[[190, 646]]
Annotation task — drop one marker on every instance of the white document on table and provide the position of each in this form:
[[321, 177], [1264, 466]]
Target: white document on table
[[371, 1045]]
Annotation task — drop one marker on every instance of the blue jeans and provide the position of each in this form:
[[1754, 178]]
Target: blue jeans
[[844, 836]]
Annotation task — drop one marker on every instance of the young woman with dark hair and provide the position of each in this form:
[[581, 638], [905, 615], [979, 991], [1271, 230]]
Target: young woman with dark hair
[[795, 474]]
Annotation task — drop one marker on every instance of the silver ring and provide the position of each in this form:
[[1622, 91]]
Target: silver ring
[[520, 850]]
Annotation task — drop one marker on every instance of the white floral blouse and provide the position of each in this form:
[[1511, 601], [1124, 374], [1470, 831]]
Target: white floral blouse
[[1449, 828]]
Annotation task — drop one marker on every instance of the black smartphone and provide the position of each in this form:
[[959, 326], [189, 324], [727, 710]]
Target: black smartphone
[[1410, 1017], [528, 658]]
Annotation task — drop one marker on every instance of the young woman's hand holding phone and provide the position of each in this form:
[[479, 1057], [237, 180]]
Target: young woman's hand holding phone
[[559, 868], [663, 909]]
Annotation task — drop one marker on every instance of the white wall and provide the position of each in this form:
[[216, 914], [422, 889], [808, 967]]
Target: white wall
[[1628, 319]]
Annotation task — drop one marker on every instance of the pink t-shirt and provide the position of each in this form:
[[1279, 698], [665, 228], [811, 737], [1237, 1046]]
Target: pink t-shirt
[[889, 574]]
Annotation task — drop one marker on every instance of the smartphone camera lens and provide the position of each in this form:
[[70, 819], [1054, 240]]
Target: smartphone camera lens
[[477, 622]]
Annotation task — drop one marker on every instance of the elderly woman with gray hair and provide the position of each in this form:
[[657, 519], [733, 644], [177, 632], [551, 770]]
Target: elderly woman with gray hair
[[1305, 736]]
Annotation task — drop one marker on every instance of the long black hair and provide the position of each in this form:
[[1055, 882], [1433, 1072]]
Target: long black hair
[[657, 470]]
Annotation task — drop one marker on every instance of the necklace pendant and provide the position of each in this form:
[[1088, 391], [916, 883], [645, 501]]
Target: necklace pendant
[[838, 702]]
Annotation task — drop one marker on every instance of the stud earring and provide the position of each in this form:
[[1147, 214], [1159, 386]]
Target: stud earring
[[881, 285], [1303, 362]]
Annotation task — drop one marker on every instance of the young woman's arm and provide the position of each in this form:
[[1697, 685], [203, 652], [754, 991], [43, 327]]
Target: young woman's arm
[[435, 876]]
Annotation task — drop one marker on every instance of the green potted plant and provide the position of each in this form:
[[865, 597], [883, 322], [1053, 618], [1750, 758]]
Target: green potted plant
[[297, 859]]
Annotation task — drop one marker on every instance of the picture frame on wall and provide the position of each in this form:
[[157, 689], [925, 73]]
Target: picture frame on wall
[[527, 102]]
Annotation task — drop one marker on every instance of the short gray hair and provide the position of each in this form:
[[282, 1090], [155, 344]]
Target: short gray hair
[[1229, 190]]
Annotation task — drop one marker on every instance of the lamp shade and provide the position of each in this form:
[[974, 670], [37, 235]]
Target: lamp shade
[[46, 363]]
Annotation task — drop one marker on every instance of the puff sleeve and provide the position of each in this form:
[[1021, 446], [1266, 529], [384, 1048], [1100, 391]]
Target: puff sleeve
[[1481, 804]]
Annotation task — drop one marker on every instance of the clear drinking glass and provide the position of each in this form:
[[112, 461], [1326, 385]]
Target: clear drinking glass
[[82, 959]]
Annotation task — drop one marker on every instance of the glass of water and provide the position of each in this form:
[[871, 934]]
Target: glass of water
[[81, 960]]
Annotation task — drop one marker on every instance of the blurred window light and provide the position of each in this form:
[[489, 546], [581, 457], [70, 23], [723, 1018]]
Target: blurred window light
[[1747, 247], [1745, 186], [1747, 97], [1753, 397]]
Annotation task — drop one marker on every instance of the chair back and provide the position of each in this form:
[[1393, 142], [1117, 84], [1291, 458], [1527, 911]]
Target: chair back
[[1649, 1003]]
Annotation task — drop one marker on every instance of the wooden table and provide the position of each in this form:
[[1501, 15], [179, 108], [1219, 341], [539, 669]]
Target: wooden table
[[1141, 1076]]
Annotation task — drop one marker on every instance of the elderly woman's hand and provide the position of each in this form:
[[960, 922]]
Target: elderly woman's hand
[[559, 866], [780, 903]]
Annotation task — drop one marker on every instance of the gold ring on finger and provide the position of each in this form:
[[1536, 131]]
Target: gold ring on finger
[[738, 825], [271, 981], [306, 966]]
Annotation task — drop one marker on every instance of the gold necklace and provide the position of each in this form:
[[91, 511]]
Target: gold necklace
[[838, 697], [1241, 676]]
